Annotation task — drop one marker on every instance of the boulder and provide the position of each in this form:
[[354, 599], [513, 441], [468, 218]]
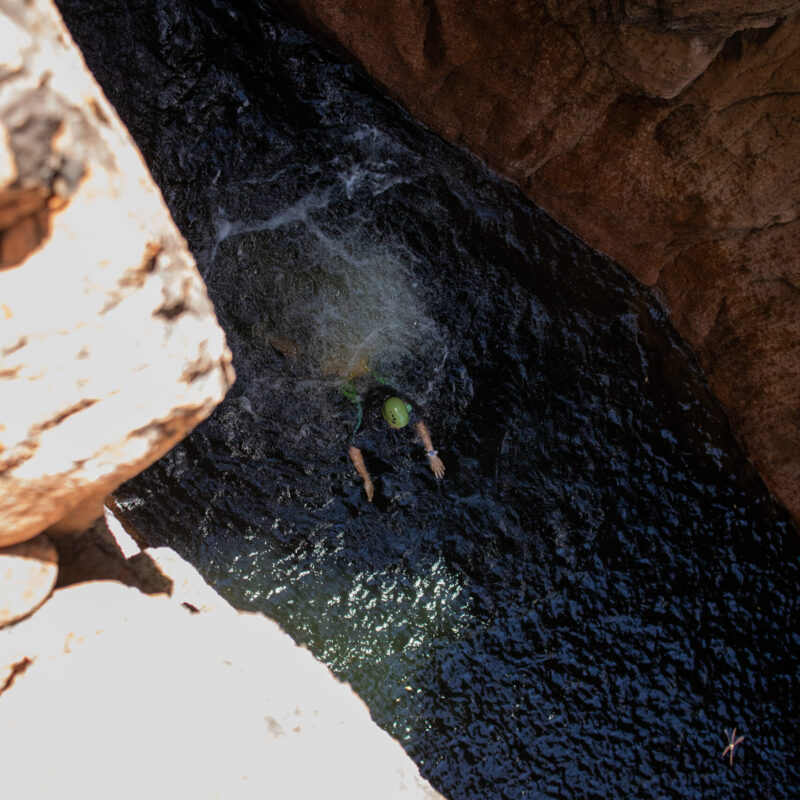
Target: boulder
[[106, 690], [664, 134], [109, 347], [28, 573]]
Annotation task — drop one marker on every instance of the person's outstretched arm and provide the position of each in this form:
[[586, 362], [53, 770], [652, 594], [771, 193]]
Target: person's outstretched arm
[[433, 458], [361, 469]]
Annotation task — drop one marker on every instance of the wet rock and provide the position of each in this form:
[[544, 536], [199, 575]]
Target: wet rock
[[109, 347], [167, 702], [663, 134], [28, 573]]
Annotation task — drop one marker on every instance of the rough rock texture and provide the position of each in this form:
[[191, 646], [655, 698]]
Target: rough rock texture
[[106, 691], [94, 555], [665, 134], [28, 573], [109, 347]]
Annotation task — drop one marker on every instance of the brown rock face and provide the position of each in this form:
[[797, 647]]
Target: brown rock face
[[109, 348], [665, 134]]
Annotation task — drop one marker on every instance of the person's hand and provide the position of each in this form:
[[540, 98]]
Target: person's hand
[[369, 489], [437, 468]]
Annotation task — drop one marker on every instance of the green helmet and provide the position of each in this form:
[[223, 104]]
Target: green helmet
[[395, 412]]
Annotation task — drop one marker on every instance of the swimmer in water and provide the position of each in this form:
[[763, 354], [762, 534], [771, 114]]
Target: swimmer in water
[[385, 424]]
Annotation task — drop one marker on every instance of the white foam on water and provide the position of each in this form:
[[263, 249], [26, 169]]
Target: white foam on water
[[225, 228], [345, 308]]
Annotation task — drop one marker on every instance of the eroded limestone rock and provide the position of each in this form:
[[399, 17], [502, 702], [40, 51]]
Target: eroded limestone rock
[[665, 134], [28, 573], [108, 690], [109, 347]]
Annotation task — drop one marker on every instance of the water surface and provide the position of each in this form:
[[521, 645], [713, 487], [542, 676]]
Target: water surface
[[600, 586]]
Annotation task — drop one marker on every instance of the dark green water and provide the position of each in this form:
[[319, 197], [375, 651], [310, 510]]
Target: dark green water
[[600, 586]]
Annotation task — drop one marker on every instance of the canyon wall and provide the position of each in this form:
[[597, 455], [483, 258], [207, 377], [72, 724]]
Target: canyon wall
[[665, 134]]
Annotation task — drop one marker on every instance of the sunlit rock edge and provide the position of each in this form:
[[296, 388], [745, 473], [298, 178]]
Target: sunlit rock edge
[[109, 347], [107, 689]]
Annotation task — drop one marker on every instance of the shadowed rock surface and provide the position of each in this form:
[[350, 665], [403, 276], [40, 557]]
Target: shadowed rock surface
[[665, 134]]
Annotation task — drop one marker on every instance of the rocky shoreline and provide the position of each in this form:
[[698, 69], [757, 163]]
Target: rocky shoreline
[[135, 678]]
